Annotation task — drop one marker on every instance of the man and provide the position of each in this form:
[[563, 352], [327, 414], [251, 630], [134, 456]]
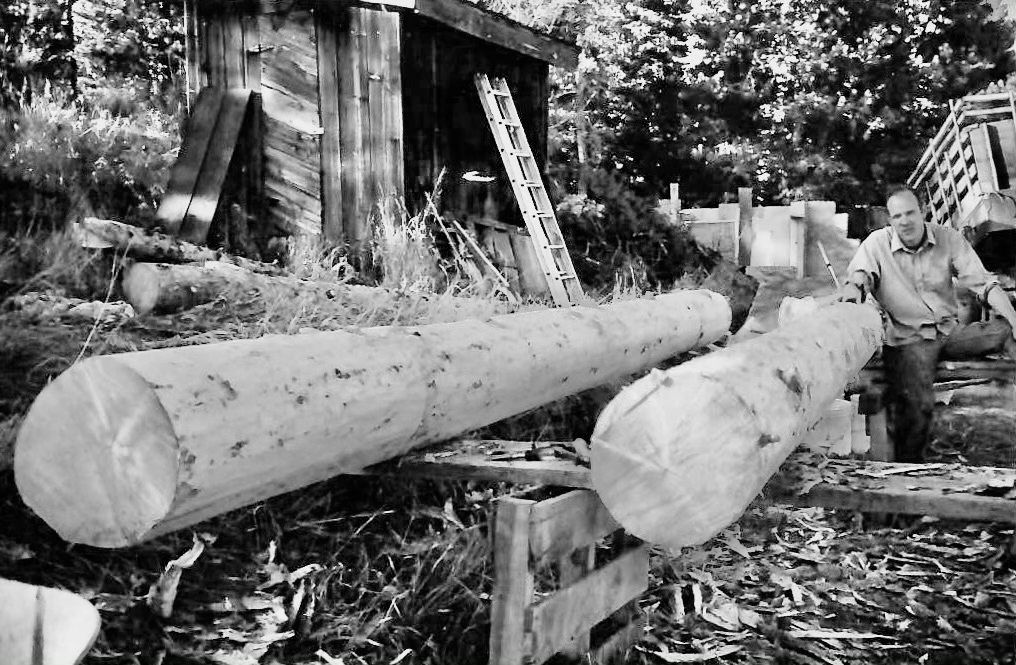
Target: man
[[908, 267]]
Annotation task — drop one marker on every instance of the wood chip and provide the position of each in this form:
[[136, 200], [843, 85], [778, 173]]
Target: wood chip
[[694, 657], [833, 635]]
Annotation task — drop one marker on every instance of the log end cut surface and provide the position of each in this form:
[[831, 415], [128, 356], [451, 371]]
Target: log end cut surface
[[119, 478]]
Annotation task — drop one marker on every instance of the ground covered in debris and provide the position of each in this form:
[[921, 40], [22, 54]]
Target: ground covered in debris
[[369, 570]]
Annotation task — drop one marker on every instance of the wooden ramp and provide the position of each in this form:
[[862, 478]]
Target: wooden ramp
[[942, 490], [43, 626], [196, 181]]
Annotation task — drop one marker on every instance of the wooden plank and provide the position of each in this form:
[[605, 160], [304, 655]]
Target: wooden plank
[[499, 30], [184, 174], [292, 125], [584, 604], [328, 94], [394, 159], [572, 567], [214, 50], [532, 281], [252, 52], [745, 235], [568, 522], [513, 581], [233, 56], [953, 370], [615, 648], [504, 461], [485, 460], [352, 93], [374, 145], [192, 52], [221, 148]]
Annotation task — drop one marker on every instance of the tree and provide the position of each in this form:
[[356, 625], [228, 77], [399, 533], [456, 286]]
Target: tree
[[804, 98]]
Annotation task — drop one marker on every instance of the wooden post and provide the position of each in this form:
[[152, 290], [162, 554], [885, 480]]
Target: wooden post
[[675, 203], [513, 581], [744, 230]]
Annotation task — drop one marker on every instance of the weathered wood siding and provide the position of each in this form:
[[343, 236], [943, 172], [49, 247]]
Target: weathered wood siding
[[369, 115], [275, 55], [292, 126], [444, 121]]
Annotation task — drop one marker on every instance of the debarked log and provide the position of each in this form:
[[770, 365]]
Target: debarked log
[[122, 448], [678, 455]]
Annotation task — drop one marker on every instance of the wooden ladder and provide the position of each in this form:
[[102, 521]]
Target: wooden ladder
[[527, 183]]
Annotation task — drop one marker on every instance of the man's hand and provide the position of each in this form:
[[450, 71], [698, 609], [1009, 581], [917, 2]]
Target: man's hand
[[851, 292], [998, 301]]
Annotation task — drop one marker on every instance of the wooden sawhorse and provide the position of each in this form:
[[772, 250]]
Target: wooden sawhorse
[[557, 591]]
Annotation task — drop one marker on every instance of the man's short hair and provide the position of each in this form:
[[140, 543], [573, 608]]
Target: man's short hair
[[894, 190]]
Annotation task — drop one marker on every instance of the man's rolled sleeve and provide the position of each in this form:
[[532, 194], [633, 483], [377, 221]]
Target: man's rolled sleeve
[[863, 270]]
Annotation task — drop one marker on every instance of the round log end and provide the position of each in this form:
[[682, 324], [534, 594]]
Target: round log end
[[141, 286], [667, 474], [96, 456]]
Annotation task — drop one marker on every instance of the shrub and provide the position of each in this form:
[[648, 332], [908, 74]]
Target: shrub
[[63, 160], [617, 237]]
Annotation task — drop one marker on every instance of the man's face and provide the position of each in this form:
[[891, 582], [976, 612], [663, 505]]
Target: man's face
[[906, 218]]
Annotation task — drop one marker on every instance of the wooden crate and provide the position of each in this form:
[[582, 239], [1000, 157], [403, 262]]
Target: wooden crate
[[972, 155], [556, 589]]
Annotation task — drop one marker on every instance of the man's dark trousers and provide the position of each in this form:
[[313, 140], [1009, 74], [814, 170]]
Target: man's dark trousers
[[910, 375]]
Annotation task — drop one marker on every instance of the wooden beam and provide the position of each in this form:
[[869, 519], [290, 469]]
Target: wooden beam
[[513, 581], [222, 145], [745, 233], [183, 175], [499, 30], [579, 607], [949, 492], [326, 26]]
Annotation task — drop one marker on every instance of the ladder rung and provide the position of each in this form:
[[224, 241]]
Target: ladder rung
[[499, 93], [519, 153], [531, 183], [555, 246]]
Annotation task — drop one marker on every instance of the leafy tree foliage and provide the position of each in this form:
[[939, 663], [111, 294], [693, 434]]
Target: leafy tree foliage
[[805, 98]]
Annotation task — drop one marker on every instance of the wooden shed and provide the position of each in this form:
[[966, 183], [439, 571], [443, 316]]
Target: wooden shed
[[306, 113]]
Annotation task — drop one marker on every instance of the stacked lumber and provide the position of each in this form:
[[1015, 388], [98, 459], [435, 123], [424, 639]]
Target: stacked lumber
[[122, 448]]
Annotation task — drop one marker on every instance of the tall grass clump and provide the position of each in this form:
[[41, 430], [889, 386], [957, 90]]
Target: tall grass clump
[[64, 158], [403, 250]]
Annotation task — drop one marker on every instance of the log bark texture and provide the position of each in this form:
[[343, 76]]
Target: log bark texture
[[167, 287], [678, 455], [145, 245], [122, 448]]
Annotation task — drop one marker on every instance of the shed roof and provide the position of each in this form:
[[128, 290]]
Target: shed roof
[[488, 26]]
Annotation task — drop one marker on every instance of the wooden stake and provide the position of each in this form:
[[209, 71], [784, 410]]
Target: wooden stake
[[745, 236]]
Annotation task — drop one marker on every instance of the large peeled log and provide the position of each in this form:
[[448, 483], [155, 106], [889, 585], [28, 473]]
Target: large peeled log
[[125, 447], [678, 455]]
